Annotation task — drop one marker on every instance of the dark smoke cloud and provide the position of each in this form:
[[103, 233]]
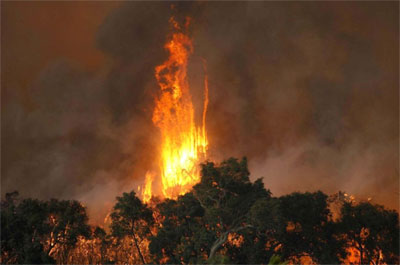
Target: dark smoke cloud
[[307, 91]]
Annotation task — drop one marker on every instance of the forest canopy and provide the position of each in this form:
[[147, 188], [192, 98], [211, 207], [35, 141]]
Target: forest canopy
[[225, 218]]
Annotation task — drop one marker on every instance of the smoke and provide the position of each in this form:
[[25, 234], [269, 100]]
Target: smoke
[[307, 91], [68, 146]]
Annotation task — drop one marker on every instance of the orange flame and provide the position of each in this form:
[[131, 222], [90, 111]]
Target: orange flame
[[184, 143], [148, 186]]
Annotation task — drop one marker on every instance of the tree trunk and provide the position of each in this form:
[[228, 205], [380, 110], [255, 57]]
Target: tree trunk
[[222, 239], [361, 255], [138, 249], [217, 244]]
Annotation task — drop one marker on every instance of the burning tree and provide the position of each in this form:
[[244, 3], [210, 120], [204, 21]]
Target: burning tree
[[372, 231], [179, 231], [131, 219], [225, 218], [35, 231], [23, 228], [227, 195]]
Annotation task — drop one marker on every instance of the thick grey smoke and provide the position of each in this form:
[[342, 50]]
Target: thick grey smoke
[[307, 91]]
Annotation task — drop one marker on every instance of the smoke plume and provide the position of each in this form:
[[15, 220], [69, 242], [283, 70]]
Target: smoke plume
[[307, 91]]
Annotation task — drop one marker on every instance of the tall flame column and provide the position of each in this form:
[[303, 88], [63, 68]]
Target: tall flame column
[[184, 143]]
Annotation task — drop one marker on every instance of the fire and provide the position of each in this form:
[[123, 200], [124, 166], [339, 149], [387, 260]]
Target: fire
[[148, 186], [184, 143]]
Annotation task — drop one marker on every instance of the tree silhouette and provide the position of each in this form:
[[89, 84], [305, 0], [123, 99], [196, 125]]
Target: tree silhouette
[[35, 231], [224, 219], [372, 230], [227, 195], [133, 219]]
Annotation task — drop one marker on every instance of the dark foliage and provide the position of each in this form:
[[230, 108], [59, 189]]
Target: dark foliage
[[36, 232], [226, 218]]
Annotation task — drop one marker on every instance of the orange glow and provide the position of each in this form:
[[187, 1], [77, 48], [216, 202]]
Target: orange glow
[[148, 186], [183, 142]]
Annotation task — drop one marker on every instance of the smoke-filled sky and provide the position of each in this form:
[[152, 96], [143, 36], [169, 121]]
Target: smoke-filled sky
[[308, 91]]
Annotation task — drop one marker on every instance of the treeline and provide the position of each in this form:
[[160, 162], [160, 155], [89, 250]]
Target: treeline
[[225, 218]]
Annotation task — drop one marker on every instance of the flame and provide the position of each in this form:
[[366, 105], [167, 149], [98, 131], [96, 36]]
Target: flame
[[183, 143], [148, 185]]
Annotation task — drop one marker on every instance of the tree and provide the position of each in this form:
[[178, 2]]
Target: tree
[[260, 244], [35, 231], [310, 231], [23, 226], [105, 242], [180, 234], [372, 230], [227, 195], [296, 227], [67, 221], [224, 219], [93, 250], [199, 224], [133, 219]]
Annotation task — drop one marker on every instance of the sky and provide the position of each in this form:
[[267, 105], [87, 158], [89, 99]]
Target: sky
[[307, 91]]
